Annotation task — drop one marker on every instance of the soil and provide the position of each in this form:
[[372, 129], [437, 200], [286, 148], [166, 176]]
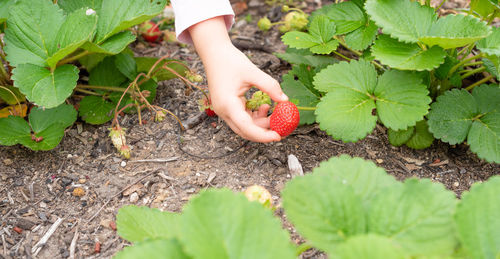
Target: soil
[[83, 179]]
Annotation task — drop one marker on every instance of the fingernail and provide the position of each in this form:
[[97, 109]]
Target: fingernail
[[284, 97]]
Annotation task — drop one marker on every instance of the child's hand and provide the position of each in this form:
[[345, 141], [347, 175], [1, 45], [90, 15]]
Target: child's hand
[[230, 74]]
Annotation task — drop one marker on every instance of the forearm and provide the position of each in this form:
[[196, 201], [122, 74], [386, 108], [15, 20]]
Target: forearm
[[210, 37]]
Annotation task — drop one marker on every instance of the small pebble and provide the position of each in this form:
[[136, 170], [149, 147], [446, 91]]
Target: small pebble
[[43, 205], [78, 192], [8, 161], [379, 161], [456, 184], [82, 180], [134, 197], [69, 156], [123, 164]]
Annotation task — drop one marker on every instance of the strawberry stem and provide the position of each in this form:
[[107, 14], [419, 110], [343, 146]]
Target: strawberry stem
[[306, 108]]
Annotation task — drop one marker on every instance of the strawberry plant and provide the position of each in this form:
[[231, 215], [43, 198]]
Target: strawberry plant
[[347, 207], [47, 47], [423, 76]]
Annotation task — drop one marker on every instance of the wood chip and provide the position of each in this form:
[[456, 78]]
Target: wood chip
[[294, 166], [38, 246], [445, 162], [132, 189], [414, 161]]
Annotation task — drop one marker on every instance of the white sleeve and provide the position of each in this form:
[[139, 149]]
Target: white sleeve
[[191, 12]]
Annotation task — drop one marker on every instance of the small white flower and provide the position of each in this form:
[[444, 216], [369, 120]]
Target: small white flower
[[90, 12]]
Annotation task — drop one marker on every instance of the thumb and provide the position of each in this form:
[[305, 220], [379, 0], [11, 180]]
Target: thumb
[[268, 85]]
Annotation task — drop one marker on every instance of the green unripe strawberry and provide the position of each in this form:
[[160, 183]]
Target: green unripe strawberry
[[264, 24], [296, 20], [285, 118], [258, 98]]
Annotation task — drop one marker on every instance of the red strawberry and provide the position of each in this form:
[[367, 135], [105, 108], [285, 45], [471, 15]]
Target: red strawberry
[[150, 31], [206, 105], [285, 118]]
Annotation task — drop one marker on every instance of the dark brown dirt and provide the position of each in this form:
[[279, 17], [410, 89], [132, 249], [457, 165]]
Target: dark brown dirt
[[37, 187]]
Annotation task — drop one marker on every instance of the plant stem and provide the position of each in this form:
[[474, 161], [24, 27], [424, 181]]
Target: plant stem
[[15, 97], [472, 72], [306, 108], [107, 88], [73, 58], [493, 15], [302, 248], [457, 66], [480, 82], [473, 63], [342, 56], [441, 4], [87, 92]]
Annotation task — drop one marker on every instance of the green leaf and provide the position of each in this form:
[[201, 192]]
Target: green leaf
[[346, 112], [54, 37], [92, 60], [126, 64], [478, 219], [404, 20], [401, 99], [458, 115], [444, 69], [400, 137], [363, 176], [221, 224], [422, 137], [155, 249], [96, 110], [360, 75], [14, 130], [325, 215], [138, 224], [347, 16], [144, 64], [492, 64], [113, 45], [47, 124], [370, 246], [491, 44], [106, 73], [417, 215], [64, 115], [299, 40], [362, 37], [298, 91], [31, 31], [78, 28], [118, 15], [303, 56], [9, 98], [453, 31], [5, 6], [406, 56], [72, 5], [43, 87], [451, 116], [319, 39], [482, 7]]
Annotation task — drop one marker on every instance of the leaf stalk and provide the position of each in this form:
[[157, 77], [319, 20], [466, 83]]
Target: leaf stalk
[[480, 82]]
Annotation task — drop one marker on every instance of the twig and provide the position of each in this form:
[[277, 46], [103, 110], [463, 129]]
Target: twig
[[117, 194], [72, 247], [38, 246], [159, 160], [4, 245]]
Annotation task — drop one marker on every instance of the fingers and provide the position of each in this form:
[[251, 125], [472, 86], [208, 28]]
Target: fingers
[[243, 124], [268, 85]]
